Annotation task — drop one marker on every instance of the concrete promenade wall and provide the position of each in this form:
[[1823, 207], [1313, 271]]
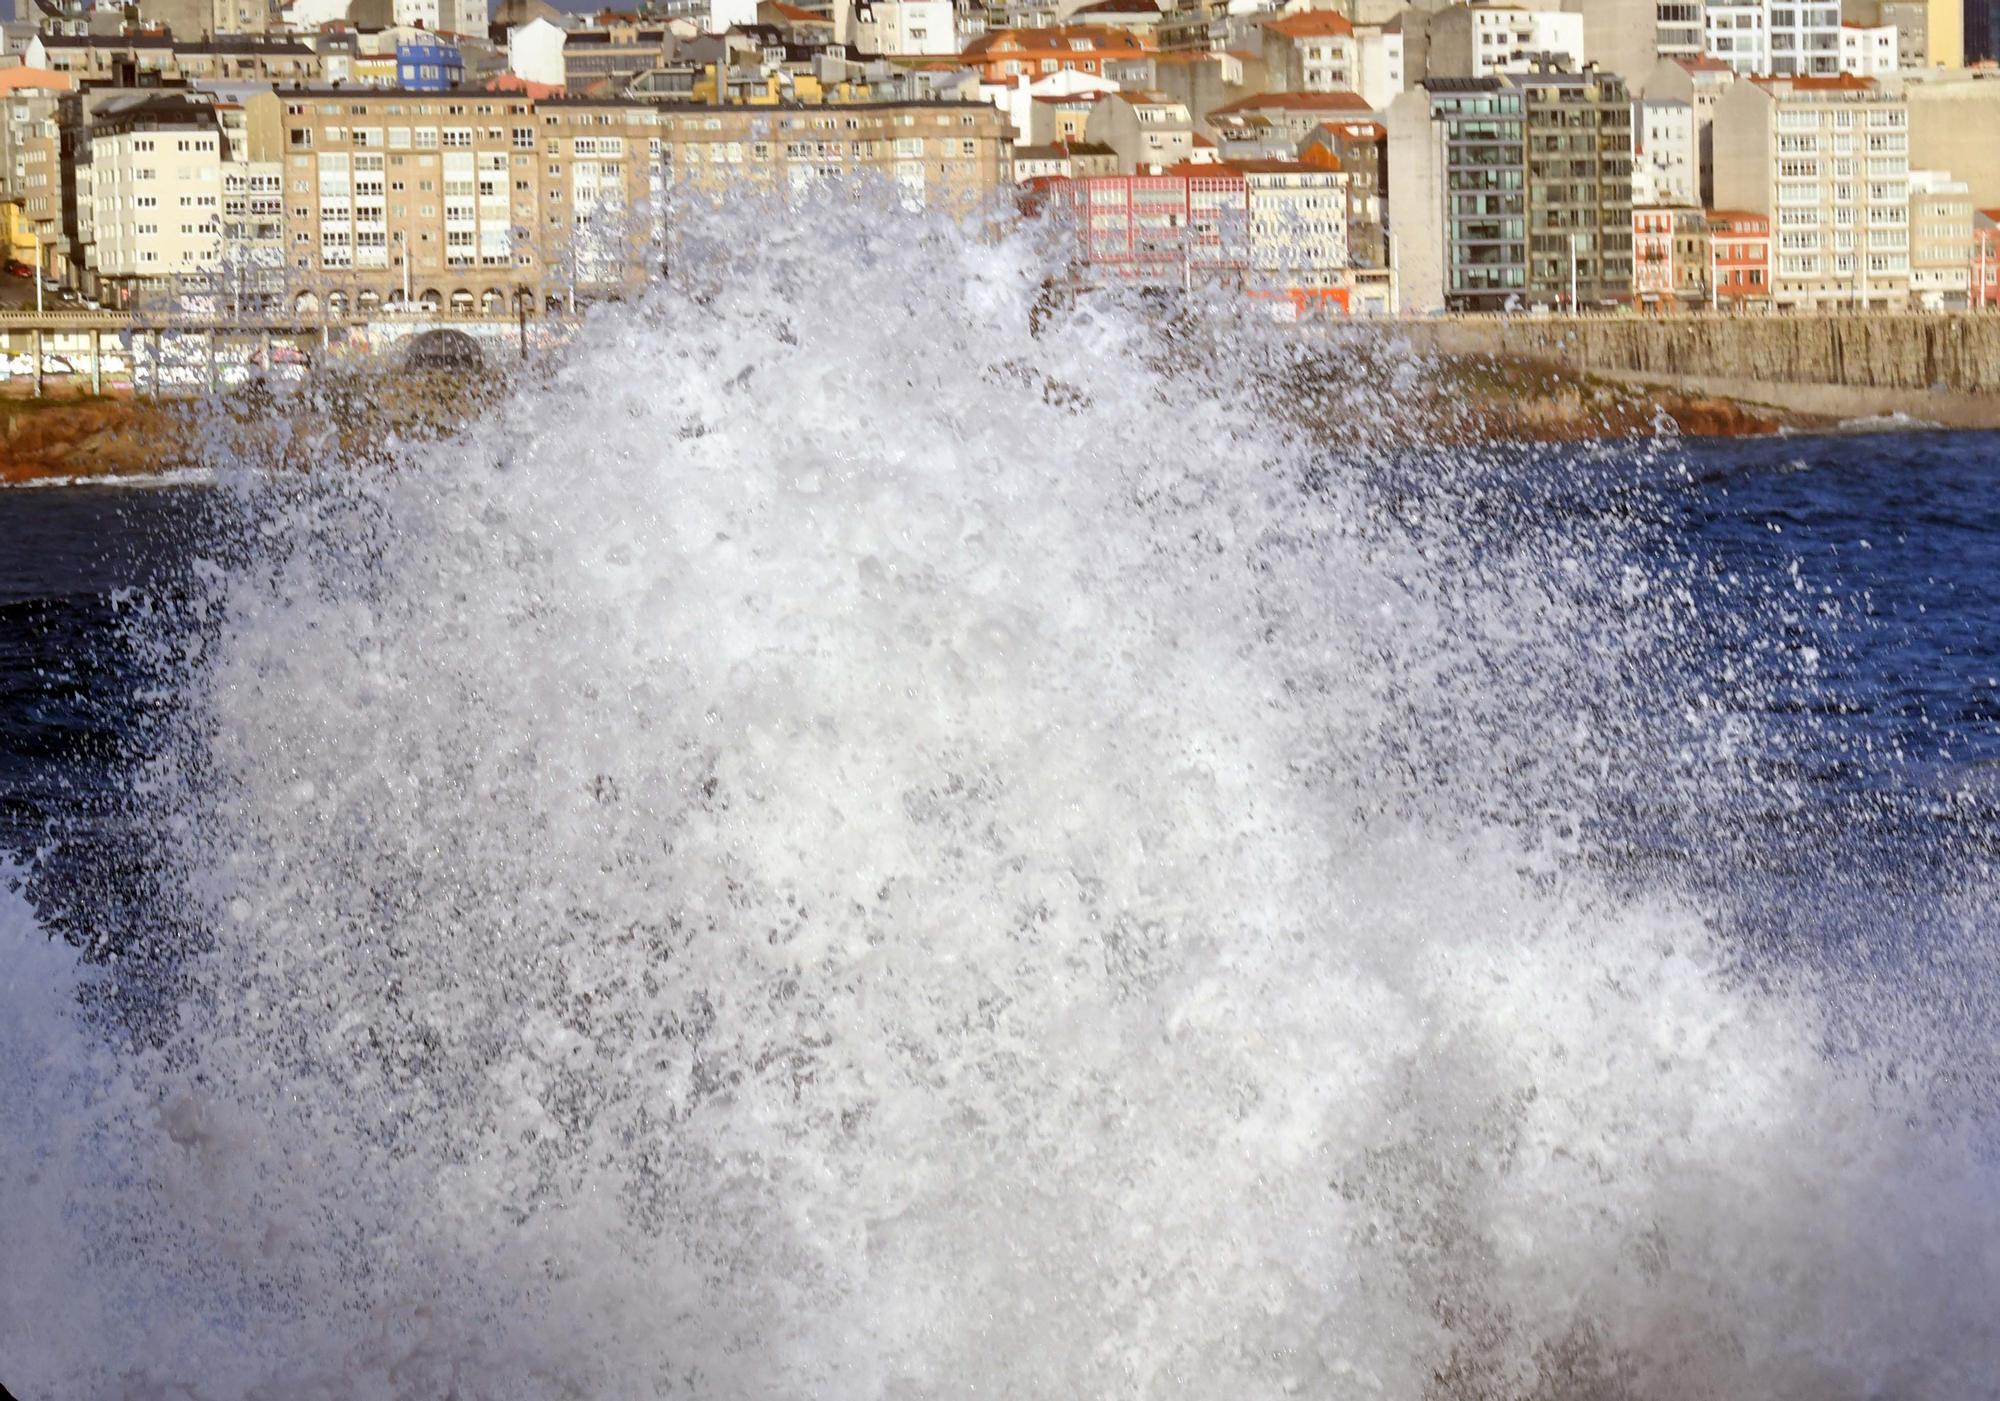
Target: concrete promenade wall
[[1949, 355]]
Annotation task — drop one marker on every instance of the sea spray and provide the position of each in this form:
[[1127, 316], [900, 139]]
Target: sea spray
[[872, 838]]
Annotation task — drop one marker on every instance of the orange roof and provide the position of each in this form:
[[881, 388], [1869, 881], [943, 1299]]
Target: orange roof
[[13, 79], [1204, 170], [1357, 131], [1057, 39], [1295, 102], [1704, 64], [1839, 82], [797, 15], [512, 82], [1275, 167], [1310, 24]]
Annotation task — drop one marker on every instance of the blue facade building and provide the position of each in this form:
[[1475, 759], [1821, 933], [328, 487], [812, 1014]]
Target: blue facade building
[[1982, 30], [426, 65]]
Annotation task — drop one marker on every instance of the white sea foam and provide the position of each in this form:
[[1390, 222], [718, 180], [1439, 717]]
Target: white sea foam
[[845, 848]]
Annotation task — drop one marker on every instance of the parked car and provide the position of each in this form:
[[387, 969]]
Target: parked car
[[20, 270], [68, 294]]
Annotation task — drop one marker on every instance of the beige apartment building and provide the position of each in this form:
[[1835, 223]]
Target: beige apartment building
[[1149, 130], [1955, 126], [478, 203], [137, 59], [1827, 161], [1940, 241], [154, 205]]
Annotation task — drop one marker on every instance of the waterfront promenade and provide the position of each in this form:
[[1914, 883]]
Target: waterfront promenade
[[1937, 367]]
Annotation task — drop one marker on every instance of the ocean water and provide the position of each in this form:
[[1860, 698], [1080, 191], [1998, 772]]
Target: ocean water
[[868, 840]]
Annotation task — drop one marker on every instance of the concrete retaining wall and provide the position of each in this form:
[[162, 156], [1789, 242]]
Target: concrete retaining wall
[[1952, 355]]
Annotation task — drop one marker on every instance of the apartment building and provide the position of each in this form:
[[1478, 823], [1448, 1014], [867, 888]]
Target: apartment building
[[133, 60], [904, 27], [1827, 161], [1181, 228], [1579, 185], [1060, 117], [1941, 242], [27, 101], [1063, 160], [1804, 37], [1739, 244], [1670, 258], [193, 19], [1982, 31], [1736, 33], [1868, 50], [1666, 153], [1378, 53], [1360, 150], [474, 202], [1289, 117], [1986, 259], [1297, 231], [1312, 51], [1629, 36], [1955, 125], [1909, 18], [423, 64], [1149, 130], [441, 16], [1458, 174], [1478, 41], [170, 203], [1204, 81], [1002, 55]]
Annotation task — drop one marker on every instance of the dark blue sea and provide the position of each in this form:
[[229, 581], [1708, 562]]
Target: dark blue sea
[[1889, 542]]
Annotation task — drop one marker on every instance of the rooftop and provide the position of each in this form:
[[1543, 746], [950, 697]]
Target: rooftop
[[1298, 102], [1310, 24]]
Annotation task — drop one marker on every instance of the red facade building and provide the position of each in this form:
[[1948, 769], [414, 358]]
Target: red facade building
[[1986, 260], [1181, 228], [1739, 258]]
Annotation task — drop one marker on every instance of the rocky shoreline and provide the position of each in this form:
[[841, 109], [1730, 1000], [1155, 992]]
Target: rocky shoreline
[[1473, 400]]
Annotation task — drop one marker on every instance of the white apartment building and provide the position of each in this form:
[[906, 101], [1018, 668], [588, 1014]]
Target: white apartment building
[[1940, 241], [154, 193], [1666, 154], [1805, 37], [1298, 225], [1378, 63], [1868, 51], [1827, 160], [1479, 41], [1785, 37], [904, 27], [443, 16], [1736, 35]]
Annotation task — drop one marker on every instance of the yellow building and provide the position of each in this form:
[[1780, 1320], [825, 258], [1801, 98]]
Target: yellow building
[[1945, 31], [24, 245]]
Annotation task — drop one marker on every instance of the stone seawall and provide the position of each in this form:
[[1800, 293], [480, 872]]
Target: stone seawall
[[1949, 355]]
